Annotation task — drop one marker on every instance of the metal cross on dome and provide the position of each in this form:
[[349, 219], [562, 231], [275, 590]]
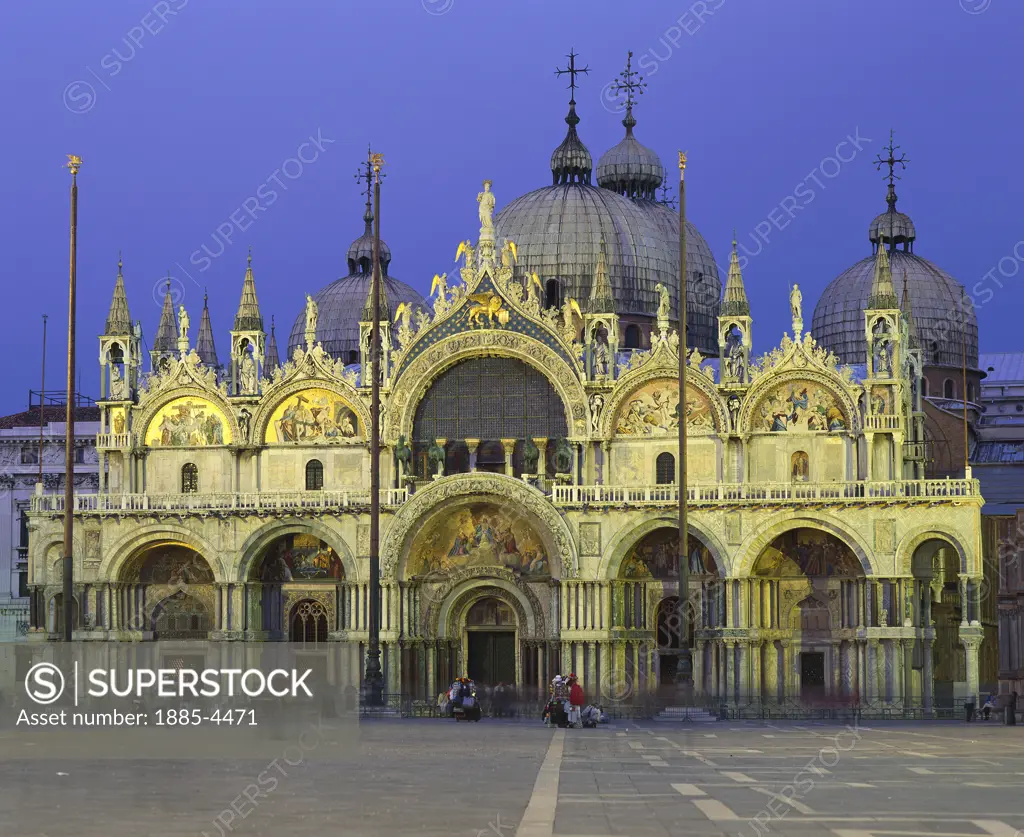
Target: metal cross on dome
[[571, 70], [630, 81], [366, 175], [892, 160]]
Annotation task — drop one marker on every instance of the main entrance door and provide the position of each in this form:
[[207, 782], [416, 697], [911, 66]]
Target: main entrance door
[[492, 657], [812, 675]]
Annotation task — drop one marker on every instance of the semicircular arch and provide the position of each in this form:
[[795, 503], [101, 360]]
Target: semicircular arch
[[410, 388], [152, 411], [636, 380], [625, 539], [448, 619], [761, 538], [342, 390], [909, 543], [441, 496], [142, 538], [770, 384], [255, 546]]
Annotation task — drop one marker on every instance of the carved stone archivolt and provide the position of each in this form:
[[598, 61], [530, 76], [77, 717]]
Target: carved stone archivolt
[[451, 604], [425, 369], [150, 406], [448, 491], [636, 379], [794, 362], [298, 382]]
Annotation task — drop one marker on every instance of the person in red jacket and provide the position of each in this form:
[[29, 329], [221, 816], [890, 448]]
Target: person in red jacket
[[575, 699]]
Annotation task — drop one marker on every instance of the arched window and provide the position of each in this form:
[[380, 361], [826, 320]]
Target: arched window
[[800, 466], [308, 622], [552, 294], [924, 387], [314, 475], [189, 478], [970, 393], [949, 389], [665, 469], [632, 337], [353, 357]]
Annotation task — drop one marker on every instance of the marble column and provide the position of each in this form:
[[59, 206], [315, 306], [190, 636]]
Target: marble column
[[771, 670], [730, 670], [928, 684], [606, 463], [605, 664], [509, 445], [908, 671], [590, 680], [786, 678], [472, 445], [698, 667], [971, 645], [542, 461]]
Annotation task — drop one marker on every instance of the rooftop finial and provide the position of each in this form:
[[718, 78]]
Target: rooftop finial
[[572, 70], [666, 197], [631, 82], [365, 174], [249, 263], [119, 265], [891, 161], [571, 161]]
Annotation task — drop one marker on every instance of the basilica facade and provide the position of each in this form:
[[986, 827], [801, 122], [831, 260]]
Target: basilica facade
[[529, 515], [529, 420]]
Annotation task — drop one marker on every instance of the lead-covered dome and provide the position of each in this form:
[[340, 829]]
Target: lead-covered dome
[[559, 229], [340, 305], [935, 299]]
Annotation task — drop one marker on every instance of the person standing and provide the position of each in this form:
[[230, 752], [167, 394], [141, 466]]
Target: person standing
[[576, 699]]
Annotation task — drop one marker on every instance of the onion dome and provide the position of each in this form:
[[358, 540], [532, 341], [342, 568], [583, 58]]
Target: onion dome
[[558, 230], [341, 304], [892, 227], [938, 316], [629, 168], [119, 320]]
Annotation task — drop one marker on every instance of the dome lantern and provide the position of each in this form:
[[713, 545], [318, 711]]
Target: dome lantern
[[571, 161], [631, 169]]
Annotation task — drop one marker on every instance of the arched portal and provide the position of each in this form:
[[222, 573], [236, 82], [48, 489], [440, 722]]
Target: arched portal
[[295, 571], [807, 583], [653, 563], [491, 642], [57, 614], [167, 588], [937, 602]]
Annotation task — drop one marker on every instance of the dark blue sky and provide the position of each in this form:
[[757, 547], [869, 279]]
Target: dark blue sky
[[180, 120]]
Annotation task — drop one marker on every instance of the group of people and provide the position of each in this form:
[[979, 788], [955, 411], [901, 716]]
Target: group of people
[[566, 705]]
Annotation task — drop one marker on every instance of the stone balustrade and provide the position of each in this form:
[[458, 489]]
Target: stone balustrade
[[264, 501], [796, 493]]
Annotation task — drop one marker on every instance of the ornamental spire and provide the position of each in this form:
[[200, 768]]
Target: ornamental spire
[[204, 341], [883, 294], [166, 339], [735, 302], [248, 317], [273, 358], [602, 300], [119, 321]]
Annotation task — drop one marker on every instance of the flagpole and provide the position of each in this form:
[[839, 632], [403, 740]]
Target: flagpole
[[74, 163], [684, 669], [373, 676]]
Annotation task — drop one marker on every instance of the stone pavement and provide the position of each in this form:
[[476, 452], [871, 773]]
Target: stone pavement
[[502, 779]]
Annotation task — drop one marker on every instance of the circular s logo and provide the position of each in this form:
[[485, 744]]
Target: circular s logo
[[44, 683]]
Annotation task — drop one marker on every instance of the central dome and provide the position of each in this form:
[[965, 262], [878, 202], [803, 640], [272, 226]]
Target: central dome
[[559, 230]]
